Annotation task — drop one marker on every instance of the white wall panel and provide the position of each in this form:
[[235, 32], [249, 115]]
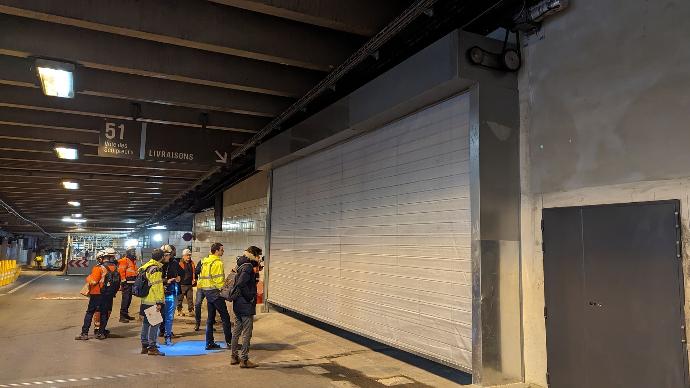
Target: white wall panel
[[373, 234]]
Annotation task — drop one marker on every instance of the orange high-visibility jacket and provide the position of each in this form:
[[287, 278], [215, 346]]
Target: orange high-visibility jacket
[[193, 269], [127, 269], [97, 277]]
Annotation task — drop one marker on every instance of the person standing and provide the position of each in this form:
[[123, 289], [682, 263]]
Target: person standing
[[127, 266], [109, 292], [199, 299], [155, 297], [187, 273], [171, 281], [99, 282], [211, 280], [244, 307]]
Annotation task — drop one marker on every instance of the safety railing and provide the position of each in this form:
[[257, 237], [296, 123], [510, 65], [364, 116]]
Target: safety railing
[[9, 272]]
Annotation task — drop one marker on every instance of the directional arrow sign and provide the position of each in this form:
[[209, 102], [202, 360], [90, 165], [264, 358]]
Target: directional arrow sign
[[222, 158], [189, 145], [150, 141]]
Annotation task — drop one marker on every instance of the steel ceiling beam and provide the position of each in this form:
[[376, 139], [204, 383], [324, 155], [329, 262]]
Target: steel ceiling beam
[[154, 90], [361, 17], [89, 175], [199, 25], [173, 169], [98, 50], [32, 99]]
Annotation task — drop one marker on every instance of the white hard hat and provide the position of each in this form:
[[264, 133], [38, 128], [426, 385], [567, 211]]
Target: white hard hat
[[109, 251], [186, 252], [166, 248], [100, 254]]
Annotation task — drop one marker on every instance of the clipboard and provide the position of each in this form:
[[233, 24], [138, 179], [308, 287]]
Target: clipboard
[[153, 316]]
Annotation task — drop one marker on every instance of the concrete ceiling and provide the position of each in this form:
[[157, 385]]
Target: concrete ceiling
[[238, 63]]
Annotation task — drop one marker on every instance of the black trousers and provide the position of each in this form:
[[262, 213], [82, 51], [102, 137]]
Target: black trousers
[[99, 303], [218, 305], [126, 299]]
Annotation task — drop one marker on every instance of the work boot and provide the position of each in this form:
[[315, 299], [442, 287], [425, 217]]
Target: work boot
[[234, 360], [213, 346], [247, 364], [153, 351], [196, 326], [144, 349], [124, 320], [131, 318], [82, 337], [100, 336]]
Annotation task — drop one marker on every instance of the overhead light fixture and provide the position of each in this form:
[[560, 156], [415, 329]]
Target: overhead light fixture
[[66, 151], [157, 237], [74, 203], [70, 185], [76, 215], [158, 227], [74, 220], [57, 78]]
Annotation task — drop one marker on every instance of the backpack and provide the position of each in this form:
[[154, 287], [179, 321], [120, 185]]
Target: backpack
[[111, 282], [229, 292], [141, 285]]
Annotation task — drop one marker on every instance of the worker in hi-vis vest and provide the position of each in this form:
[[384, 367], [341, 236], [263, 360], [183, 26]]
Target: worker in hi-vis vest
[[211, 280]]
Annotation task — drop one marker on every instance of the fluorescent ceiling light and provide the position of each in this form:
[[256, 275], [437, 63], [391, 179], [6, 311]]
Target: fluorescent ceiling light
[[57, 78], [158, 227], [70, 185], [74, 203], [75, 220], [157, 237], [67, 151], [76, 215]]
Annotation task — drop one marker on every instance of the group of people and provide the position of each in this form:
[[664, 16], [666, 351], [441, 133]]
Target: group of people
[[163, 283]]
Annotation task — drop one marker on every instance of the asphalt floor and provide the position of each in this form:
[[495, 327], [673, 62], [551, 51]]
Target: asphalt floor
[[42, 312]]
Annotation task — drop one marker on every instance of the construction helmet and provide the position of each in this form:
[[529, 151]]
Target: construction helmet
[[99, 255], [167, 248], [110, 251]]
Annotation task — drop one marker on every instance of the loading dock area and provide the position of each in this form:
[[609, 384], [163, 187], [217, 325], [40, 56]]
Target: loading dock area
[[444, 192]]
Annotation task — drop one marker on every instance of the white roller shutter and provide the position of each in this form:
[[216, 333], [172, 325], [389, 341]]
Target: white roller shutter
[[373, 235]]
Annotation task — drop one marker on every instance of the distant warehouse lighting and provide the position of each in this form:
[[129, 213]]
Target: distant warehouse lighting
[[132, 242], [74, 220], [74, 203], [66, 151], [157, 237], [158, 227], [57, 78], [70, 185], [76, 215]]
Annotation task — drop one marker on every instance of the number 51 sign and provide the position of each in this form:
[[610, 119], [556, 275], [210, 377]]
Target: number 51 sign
[[120, 139]]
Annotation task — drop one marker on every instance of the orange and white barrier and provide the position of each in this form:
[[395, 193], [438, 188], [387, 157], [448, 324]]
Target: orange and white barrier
[[9, 272]]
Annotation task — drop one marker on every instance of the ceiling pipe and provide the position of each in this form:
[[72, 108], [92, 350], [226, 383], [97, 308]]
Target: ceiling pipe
[[11, 210]]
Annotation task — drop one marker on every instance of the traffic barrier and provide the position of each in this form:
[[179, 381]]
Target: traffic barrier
[[9, 272]]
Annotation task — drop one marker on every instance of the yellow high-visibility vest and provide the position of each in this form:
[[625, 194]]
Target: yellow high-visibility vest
[[212, 273]]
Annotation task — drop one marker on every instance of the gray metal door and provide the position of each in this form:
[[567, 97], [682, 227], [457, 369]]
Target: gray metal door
[[614, 296]]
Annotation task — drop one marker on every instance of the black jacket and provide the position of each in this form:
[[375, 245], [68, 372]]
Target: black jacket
[[186, 272], [245, 304], [170, 270]]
